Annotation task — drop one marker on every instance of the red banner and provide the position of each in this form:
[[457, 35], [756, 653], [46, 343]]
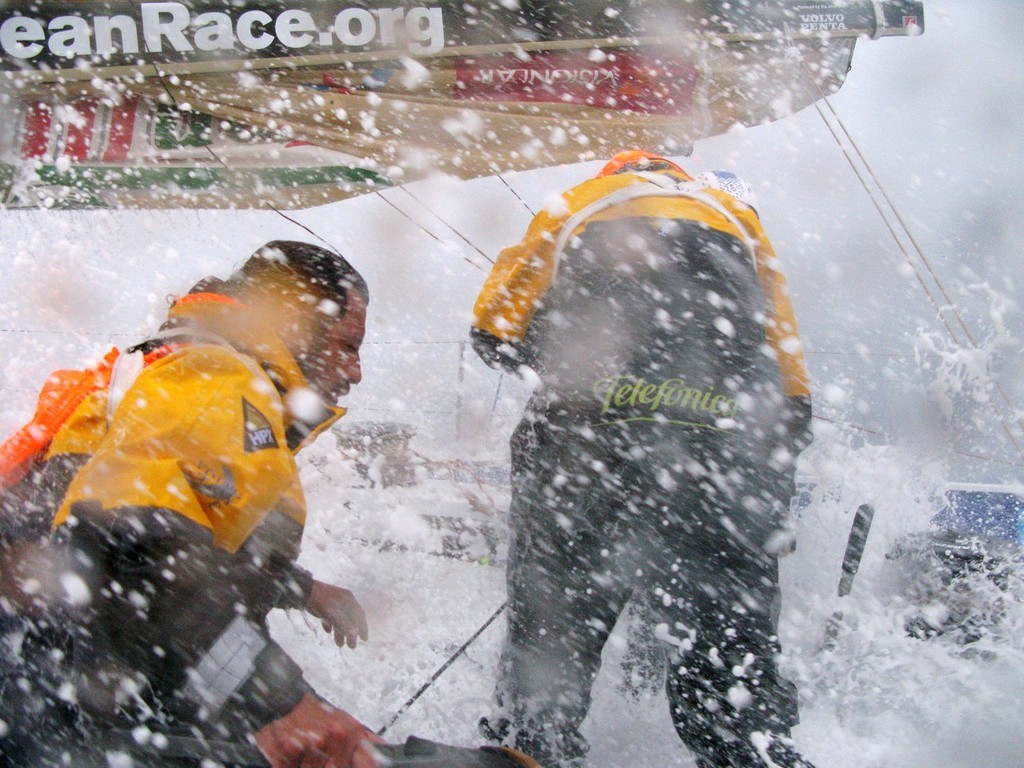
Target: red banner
[[645, 82]]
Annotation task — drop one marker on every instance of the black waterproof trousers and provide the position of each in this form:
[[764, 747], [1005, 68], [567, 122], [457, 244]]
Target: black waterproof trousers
[[681, 514]]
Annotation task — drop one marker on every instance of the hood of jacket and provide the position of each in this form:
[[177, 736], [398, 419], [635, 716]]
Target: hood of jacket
[[216, 318]]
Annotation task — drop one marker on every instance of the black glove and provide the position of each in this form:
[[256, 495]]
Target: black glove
[[496, 352], [796, 419]]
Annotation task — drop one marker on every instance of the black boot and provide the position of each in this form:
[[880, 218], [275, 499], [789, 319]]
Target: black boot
[[779, 750], [782, 752], [422, 753], [550, 748]]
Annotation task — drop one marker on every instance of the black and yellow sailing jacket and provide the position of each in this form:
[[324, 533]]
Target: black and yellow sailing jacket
[[185, 520], [205, 430], [523, 273], [650, 296]]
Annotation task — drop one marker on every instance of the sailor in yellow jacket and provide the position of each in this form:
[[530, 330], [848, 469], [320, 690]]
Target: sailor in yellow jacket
[[180, 514], [656, 190], [178, 501], [655, 458]]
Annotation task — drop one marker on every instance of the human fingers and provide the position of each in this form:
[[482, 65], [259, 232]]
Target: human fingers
[[278, 747], [363, 757]]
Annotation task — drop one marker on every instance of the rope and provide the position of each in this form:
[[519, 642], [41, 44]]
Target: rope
[[434, 213], [947, 306], [440, 671], [220, 161], [424, 229], [940, 308], [520, 199], [286, 217]]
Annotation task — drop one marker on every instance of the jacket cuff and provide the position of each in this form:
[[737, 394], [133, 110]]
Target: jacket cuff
[[274, 689], [298, 583]]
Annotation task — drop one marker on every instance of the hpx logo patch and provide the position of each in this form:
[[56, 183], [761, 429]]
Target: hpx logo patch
[[258, 435]]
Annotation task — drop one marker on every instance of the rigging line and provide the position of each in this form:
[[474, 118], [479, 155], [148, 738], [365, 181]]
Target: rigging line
[[793, 54], [853, 427], [497, 397], [299, 224], [209, 150], [163, 84], [441, 670], [174, 101], [949, 306], [380, 194], [1006, 425], [502, 179], [892, 230], [501, 375], [437, 216]]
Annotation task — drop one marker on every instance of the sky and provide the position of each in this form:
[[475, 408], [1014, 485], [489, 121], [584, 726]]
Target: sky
[[908, 299]]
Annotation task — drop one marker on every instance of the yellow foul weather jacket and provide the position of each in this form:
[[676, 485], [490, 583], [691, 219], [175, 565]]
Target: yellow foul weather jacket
[[184, 517], [204, 430], [523, 273]]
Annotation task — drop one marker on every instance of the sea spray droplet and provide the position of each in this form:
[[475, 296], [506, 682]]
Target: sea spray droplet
[[76, 590]]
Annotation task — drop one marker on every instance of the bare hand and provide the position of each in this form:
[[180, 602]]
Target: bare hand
[[316, 734], [340, 613]]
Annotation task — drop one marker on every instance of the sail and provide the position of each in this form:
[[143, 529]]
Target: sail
[[293, 103]]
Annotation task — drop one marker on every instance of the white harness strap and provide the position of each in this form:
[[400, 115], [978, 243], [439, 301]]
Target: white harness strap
[[129, 365], [663, 187], [127, 368]]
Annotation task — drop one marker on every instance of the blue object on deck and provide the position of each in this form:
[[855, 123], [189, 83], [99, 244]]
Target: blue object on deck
[[984, 510]]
